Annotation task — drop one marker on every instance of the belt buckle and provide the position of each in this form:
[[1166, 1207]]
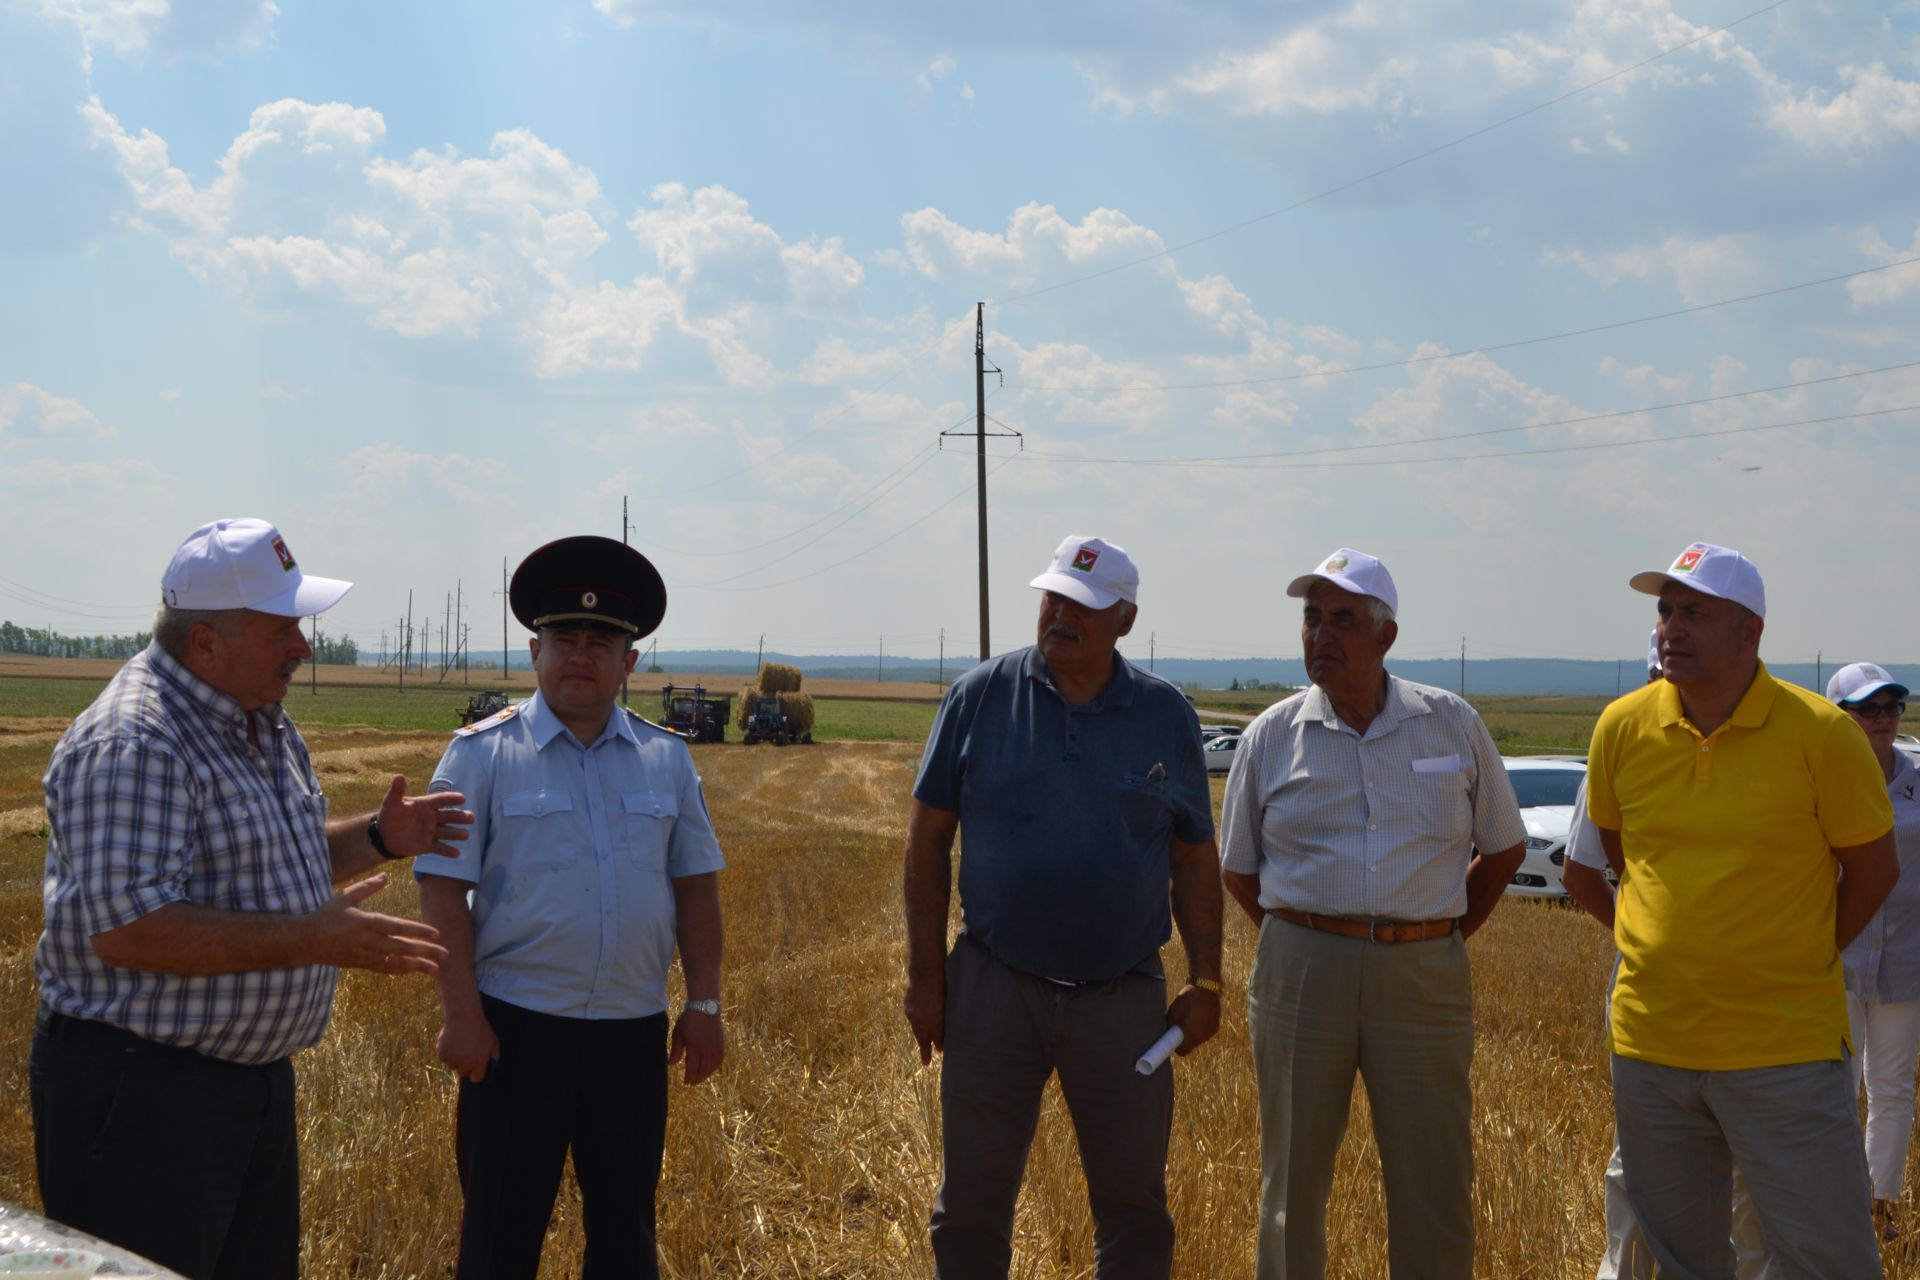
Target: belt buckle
[[1373, 931]]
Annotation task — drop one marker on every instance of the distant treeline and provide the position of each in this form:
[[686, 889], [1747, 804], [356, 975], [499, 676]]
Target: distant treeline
[[46, 643]]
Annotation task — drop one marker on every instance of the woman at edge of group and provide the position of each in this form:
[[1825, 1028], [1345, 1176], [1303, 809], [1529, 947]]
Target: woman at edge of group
[[1883, 963]]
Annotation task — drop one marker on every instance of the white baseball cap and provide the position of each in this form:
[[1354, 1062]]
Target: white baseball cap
[[1861, 680], [245, 564], [1710, 570], [1354, 571], [1091, 571]]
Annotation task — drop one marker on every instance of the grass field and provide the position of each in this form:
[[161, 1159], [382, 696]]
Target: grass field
[[815, 1152]]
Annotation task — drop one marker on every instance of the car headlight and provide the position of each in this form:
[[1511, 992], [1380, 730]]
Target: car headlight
[[1536, 843]]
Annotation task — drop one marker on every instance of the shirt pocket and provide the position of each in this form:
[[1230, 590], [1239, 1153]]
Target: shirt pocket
[[535, 804], [538, 825], [1145, 805], [1440, 798], [649, 818]]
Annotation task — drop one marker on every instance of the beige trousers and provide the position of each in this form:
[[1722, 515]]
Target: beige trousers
[[1321, 1009]]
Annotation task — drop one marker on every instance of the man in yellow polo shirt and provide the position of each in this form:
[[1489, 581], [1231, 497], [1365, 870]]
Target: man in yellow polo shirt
[[1749, 825]]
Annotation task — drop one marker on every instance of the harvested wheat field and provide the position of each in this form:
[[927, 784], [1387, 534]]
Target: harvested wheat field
[[815, 1152]]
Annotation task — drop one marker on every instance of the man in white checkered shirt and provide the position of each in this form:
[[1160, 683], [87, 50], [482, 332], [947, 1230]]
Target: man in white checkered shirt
[[193, 937], [1369, 828]]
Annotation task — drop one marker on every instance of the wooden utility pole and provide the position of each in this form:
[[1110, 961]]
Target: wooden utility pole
[[624, 526], [406, 644], [980, 458], [503, 618]]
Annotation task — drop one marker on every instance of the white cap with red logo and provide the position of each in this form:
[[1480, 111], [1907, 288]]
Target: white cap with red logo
[[245, 564], [1710, 570], [1090, 571]]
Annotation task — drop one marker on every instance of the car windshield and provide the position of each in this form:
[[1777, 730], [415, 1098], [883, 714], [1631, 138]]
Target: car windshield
[[1536, 787]]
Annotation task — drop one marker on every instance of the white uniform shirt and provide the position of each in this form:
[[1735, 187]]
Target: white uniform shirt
[[1379, 826]]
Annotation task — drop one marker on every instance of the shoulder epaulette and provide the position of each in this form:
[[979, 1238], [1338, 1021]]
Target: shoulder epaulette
[[635, 715], [651, 724], [497, 718]]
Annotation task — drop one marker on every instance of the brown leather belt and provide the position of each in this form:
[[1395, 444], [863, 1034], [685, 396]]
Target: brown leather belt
[[1368, 930]]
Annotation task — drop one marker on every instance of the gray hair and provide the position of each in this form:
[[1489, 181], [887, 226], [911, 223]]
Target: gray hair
[[1382, 611], [172, 626]]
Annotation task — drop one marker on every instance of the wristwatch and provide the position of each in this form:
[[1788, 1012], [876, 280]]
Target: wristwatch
[[709, 1007], [379, 845]]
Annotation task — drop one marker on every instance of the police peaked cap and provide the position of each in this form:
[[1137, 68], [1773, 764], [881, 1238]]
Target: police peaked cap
[[588, 581]]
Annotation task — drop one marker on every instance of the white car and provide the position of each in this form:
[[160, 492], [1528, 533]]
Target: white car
[[1909, 744], [1219, 752], [1545, 787]]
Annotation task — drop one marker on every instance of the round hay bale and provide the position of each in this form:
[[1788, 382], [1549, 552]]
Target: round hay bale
[[798, 709], [749, 696], [779, 677]]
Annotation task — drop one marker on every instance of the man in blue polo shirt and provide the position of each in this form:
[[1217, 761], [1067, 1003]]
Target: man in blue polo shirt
[[1083, 793]]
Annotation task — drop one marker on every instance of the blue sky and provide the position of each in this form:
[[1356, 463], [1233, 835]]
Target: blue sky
[[430, 284]]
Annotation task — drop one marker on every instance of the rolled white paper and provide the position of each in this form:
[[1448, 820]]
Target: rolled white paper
[[1162, 1049]]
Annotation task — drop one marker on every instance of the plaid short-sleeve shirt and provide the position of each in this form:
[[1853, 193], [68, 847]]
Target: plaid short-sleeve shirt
[[155, 796]]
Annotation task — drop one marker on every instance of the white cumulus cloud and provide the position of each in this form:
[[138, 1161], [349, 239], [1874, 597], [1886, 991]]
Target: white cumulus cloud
[[30, 411], [132, 28], [1700, 270]]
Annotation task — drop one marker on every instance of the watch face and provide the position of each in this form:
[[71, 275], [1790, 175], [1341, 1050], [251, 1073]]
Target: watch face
[[705, 1006]]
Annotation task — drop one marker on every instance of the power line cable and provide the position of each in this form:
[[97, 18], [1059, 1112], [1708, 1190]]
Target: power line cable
[[834, 417], [1565, 448], [126, 615], [957, 495], [912, 459], [924, 457], [1391, 168], [1475, 351], [1223, 460]]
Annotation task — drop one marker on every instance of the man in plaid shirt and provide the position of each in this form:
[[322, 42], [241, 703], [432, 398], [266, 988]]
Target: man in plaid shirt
[[193, 937]]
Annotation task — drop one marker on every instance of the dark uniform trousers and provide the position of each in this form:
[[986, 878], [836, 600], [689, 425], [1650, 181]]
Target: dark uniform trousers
[[187, 1160], [598, 1086], [1006, 1032]]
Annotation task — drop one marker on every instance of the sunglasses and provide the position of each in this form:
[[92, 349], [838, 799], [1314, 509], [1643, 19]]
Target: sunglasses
[[1877, 710]]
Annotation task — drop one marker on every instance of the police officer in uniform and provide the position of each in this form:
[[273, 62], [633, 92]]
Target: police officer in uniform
[[592, 860]]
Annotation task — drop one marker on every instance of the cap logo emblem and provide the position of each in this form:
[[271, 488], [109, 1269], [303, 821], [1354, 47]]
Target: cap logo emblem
[[1084, 559], [1688, 559], [286, 556], [1335, 563], [588, 599]]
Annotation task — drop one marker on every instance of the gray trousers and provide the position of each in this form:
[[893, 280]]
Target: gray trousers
[[1006, 1033], [1792, 1130], [1321, 1008]]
